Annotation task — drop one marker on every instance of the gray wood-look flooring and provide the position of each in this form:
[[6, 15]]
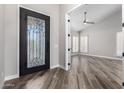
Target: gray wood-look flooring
[[86, 73]]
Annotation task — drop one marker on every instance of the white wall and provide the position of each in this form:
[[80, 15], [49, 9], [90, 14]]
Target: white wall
[[102, 35], [11, 40], [64, 8], [12, 35], [1, 45]]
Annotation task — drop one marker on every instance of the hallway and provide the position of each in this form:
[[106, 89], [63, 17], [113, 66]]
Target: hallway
[[86, 73]]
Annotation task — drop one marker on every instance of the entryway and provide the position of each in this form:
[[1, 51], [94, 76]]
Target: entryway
[[34, 41]]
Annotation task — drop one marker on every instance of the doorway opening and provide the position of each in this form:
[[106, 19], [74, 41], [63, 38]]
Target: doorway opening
[[68, 47], [87, 32]]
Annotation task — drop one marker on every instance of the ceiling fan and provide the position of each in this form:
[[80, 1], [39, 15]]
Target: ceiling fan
[[85, 19]]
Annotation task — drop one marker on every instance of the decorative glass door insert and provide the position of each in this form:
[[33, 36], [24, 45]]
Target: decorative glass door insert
[[35, 41]]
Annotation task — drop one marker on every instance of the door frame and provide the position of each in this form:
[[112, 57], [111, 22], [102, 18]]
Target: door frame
[[23, 51], [67, 40]]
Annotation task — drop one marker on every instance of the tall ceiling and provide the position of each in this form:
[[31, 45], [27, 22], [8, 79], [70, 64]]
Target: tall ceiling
[[95, 13]]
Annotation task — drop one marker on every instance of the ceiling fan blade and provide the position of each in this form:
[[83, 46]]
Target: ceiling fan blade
[[90, 22]]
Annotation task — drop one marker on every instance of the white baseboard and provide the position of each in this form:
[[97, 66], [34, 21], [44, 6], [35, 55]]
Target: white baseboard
[[62, 67], [114, 58], [17, 75], [11, 77], [52, 67], [55, 66]]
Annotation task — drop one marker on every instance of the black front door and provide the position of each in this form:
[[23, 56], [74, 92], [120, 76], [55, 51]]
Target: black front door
[[34, 41]]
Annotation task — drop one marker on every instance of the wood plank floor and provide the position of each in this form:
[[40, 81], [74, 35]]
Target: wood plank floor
[[86, 73]]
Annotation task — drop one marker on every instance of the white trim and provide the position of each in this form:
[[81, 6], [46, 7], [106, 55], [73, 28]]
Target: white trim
[[11, 77], [29, 8], [17, 75], [66, 41], [21, 6], [78, 5], [114, 58], [18, 30], [62, 67], [55, 66]]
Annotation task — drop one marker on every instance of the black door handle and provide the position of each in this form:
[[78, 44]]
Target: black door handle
[[69, 63], [123, 54], [69, 49]]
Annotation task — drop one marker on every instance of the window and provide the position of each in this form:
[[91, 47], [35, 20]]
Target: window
[[84, 44], [75, 44], [119, 40]]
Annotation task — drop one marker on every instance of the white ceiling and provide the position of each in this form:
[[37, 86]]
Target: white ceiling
[[95, 13]]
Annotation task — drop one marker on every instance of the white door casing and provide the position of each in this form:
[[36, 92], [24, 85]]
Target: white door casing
[[68, 43]]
